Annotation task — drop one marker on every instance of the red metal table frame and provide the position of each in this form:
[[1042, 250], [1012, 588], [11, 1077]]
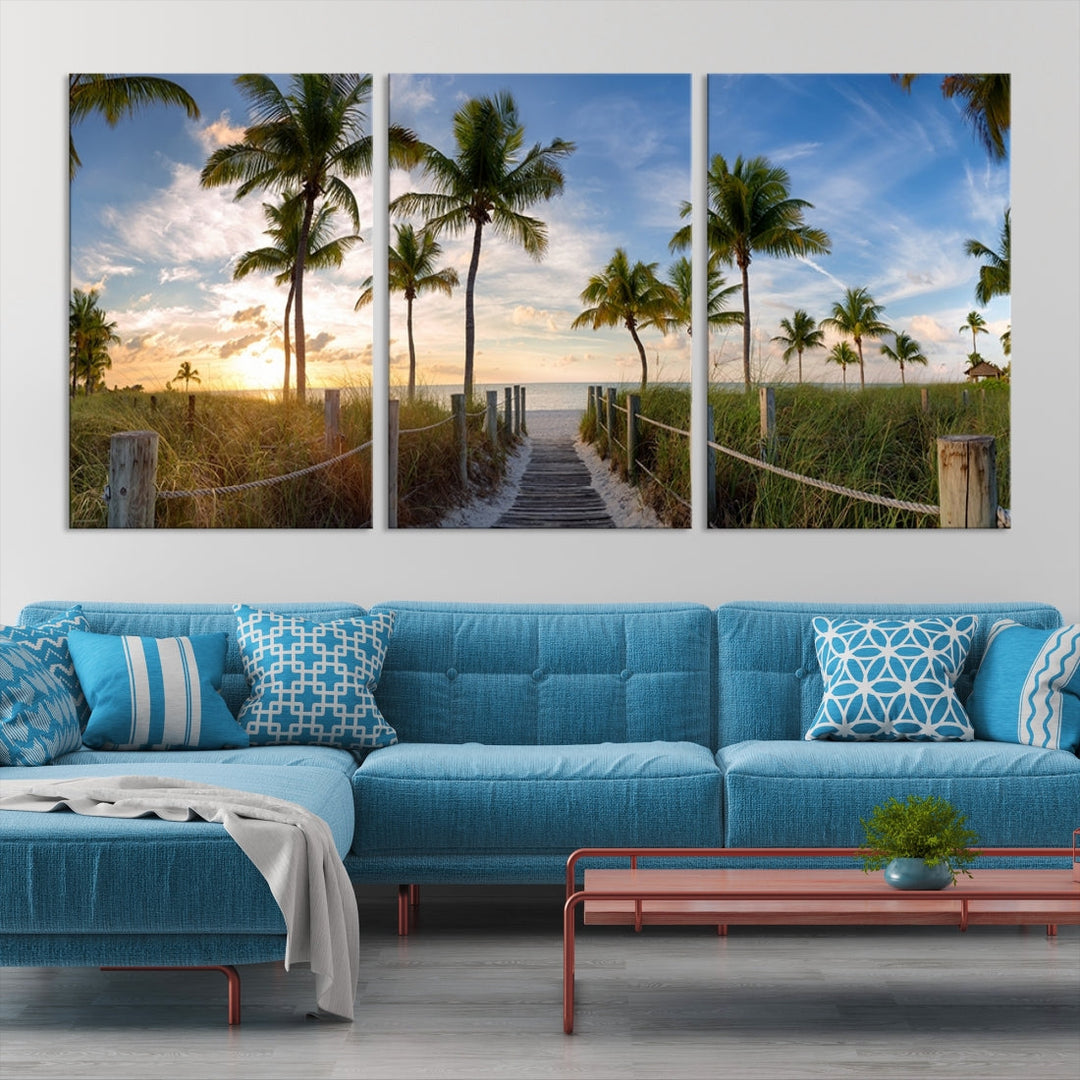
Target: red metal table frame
[[717, 896]]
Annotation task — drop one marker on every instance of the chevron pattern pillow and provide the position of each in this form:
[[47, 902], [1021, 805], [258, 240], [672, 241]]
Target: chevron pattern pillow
[[48, 642], [313, 682], [1027, 688], [38, 719], [892, 679]]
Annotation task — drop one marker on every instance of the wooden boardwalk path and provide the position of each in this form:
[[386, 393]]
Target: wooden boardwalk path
[[556, 491]]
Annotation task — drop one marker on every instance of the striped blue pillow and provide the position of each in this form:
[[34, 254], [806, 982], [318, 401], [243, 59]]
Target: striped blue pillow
[[1027, 688], [155, 693]]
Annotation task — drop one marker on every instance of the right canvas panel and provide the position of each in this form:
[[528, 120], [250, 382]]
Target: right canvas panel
[[858, 297]]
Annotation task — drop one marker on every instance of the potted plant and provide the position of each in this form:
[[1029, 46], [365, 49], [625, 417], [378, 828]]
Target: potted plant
[[921, 843]]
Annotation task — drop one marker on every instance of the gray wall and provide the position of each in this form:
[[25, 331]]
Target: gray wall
[[41, 559]]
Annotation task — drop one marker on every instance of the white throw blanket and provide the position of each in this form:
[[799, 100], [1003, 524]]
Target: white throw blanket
[[291, 847]]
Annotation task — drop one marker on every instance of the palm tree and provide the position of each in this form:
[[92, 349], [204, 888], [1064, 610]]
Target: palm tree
[[1006, 342], [411, 267], [906, 351], [843, 354], [632, 295], [115, 96], [800, 333], [491, 180], [994, 273], [309, 140], [89, 338], [987, 105], [681, 279], [751, 210], [977, 325], [188, 374], [280, 259], [858, 316]]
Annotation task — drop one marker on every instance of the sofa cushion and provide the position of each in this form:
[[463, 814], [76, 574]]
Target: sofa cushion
[[46, 637], [809, 794], [320, 757], [64, 872], [890, 679], [154, 693], [549, 674], [176, 620], [432, 799], [1027, 688], [38, 718], [769, 684]]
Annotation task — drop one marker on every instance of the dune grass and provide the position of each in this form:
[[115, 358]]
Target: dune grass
[[877, 440], [232, 439]]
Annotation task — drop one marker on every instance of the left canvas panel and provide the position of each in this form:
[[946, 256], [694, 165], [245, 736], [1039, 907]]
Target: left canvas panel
[[219, 369]]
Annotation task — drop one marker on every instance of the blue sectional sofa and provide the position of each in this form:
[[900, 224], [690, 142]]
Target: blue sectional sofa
[[524, 732]]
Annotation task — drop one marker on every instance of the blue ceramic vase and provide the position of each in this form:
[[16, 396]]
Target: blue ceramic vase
[[916, 874]]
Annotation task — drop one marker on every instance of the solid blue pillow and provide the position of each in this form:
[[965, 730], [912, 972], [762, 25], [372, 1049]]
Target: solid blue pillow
[[313, 682], [892, 679], [155, 693], [1027, 688], [38, 719], [48, 642]]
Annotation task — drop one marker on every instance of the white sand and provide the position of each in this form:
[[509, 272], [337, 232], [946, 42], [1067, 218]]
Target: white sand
[[622, 501]]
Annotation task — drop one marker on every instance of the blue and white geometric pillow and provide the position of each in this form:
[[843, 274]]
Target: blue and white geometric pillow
[[891, 679], [48, 643], [155, 693], [312, 682], [1027, 688], [38, 720]]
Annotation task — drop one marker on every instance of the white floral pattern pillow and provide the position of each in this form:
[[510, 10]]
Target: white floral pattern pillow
[[892, 679]]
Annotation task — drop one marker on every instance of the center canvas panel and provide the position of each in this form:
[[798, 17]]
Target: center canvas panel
[[539, 291]]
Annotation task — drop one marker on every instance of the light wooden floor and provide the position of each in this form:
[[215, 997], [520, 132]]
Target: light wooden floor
[[476, 992]]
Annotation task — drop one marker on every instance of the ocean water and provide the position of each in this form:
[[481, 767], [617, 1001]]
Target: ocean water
[[539, 395]]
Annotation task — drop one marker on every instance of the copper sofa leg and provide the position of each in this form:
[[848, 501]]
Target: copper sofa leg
[[232, 976], [403, 895]]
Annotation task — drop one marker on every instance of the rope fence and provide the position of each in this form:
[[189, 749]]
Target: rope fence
[[966, 465]]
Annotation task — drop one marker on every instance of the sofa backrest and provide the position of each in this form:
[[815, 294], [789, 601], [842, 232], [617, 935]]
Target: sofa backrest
[[179, 620], [549, 674], [769, 682]]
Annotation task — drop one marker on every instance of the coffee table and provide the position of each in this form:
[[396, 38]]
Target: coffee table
[[795, 897]]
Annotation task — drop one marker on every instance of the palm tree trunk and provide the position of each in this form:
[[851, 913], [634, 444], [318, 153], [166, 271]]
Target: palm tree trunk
[[470, 317], [862, 373], [641, 353], [800, 367], [298, 286], [746, 325], [903, 381], [412, 348], [288, 346]]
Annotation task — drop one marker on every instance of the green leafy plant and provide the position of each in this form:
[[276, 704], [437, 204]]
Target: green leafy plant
[[922, 827]]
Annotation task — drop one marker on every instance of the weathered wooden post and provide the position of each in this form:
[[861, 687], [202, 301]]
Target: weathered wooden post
[[589, 400], [393, 427], [633, 407], [153, 403], [611, 425], [132, 492], [964, 398], [508, 422], [461, 438], [967, 481], [924, 398], [524, 413], [517, 410], [767, 405], [710, 463], [332, 420], [492, 418]]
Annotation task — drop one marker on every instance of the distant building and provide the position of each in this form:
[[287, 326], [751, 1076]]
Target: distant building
[[984, 370]]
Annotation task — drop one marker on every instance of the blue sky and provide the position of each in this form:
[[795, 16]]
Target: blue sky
[[161, 250], [898, 181], [624, 184]]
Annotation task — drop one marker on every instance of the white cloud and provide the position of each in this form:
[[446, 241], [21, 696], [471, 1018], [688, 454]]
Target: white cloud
[[410, 93], [221, 132]]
